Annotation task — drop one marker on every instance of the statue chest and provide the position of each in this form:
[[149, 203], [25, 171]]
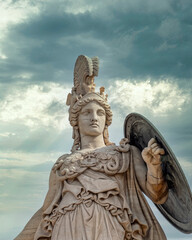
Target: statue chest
[[108, 161]]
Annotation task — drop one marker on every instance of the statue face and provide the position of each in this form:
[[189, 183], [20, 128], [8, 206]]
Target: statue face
[[92, 119]]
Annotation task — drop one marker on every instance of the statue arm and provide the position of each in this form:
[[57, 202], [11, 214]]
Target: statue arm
[[154, 187]]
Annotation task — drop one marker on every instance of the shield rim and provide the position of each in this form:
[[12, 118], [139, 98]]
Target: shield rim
[[183, 227]]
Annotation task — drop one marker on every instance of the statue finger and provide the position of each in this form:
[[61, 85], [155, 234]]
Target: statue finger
[[146, 151], [151, 141], [160, 151], [154, 149], [154, 145]]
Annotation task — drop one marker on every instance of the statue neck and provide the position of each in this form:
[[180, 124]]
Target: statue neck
[[92, 142]]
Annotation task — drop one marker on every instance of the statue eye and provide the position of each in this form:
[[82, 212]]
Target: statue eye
[[101, 113], [86, 112]]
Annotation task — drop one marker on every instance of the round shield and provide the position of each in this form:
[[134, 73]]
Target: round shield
[[178, 207]]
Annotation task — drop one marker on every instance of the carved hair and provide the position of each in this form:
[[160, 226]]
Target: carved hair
[[74, 114], [83, 93]]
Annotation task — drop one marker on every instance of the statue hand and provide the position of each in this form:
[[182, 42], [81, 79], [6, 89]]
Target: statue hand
[[152, 153]]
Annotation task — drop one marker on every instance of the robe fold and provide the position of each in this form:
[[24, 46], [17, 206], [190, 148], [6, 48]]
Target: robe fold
[[98, 195]]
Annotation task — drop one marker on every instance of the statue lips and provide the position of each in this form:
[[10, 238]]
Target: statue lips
[[94, 125]]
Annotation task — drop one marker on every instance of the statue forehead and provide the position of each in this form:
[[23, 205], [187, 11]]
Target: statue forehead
[[92, 105]]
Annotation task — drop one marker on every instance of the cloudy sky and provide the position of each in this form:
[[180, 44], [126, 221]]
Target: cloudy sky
[[144, 47]]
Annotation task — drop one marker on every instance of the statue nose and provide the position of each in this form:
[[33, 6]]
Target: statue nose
[[94, 117]]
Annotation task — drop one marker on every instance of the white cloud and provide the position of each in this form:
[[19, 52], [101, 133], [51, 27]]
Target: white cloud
[[14, 13], [160, 97], [30, 106], [7, 134], [2, 56]]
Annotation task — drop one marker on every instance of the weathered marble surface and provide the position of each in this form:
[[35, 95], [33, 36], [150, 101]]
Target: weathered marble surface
[[96, 192]]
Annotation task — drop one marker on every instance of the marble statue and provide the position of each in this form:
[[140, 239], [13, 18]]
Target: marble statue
[[96, 191]]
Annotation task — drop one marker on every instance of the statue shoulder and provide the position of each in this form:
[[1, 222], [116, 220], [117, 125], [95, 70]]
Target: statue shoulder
[[59, 162], [63, 157]]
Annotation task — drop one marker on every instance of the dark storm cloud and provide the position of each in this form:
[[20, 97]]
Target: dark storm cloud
[[48, 44], [131, 42]]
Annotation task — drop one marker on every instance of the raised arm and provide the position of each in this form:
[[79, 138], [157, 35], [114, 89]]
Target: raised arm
[[149, 172]]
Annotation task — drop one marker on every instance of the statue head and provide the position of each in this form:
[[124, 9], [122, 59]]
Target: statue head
[[83, 93], [91, 120]]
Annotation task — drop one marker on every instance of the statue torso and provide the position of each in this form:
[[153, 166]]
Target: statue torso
[[93, 181]]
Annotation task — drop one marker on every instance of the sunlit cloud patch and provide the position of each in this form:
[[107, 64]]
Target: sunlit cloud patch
[[159, 97], [14, 12], [36, 105]]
